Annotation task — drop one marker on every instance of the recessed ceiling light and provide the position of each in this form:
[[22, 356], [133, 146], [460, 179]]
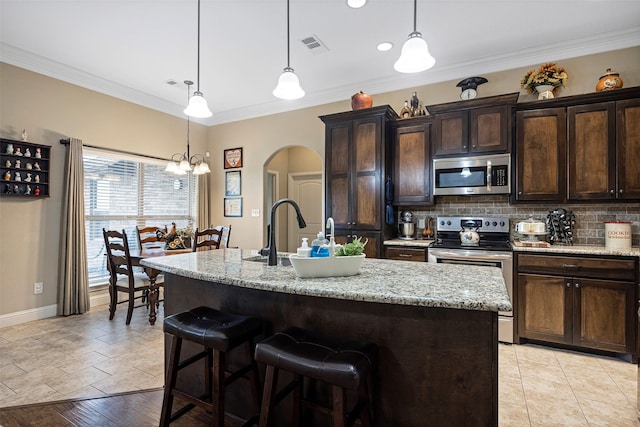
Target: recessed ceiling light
[[355, 4], [384, 46]]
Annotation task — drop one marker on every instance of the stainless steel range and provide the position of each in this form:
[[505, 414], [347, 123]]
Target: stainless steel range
[[481, 241]]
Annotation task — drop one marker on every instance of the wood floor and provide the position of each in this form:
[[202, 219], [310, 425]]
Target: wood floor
[[133, 409]]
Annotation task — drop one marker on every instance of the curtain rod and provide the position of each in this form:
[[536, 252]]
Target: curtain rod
[[113, 150]]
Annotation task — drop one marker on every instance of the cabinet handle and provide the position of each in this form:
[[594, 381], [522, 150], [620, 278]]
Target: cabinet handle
[[519, 193], [568, 285], [621, 191], [404, 255], [612, 192], [577, 285], [571, 266]]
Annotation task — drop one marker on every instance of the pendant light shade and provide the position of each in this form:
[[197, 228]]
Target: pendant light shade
[[356, 4], [197, 106], [415, 56], [288, 84]]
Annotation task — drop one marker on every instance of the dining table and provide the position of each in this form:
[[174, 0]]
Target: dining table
[[153, 273]]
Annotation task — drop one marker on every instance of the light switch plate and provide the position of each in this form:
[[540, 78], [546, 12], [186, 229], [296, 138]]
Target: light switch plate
[[255, 212]]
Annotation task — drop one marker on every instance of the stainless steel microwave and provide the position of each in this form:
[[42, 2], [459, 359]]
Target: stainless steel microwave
[[490, 174]]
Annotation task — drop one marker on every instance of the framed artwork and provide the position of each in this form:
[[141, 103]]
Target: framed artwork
[[233, 206], [233, 158], [232, 183]]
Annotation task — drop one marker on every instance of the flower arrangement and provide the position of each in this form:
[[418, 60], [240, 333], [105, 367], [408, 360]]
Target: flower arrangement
[[548, 74]]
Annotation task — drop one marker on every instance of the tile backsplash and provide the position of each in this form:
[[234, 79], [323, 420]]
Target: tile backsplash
[[590, 218]]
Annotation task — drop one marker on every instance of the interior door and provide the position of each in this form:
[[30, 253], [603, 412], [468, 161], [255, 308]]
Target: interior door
[[306, 189]]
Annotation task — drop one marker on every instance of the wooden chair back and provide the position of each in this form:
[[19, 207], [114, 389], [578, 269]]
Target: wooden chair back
[[148, 237], [118, 255], [207, 239], [225, 236]]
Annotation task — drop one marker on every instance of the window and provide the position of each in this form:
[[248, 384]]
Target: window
[[122, 191]]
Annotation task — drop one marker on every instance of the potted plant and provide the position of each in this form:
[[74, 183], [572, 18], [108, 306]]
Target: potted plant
[[544, 80]]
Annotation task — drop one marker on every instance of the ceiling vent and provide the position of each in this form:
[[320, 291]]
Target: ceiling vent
[[314, 44]]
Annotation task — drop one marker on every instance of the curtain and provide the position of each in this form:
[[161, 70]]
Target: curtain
[[73, 291], [204, 202]]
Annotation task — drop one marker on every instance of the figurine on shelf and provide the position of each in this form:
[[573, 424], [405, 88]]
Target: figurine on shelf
[[38, 153], [29, 166], [7, 164], [28, 190], [9, 149], [17, 189], [17, 177], [25, 135], [7, 189], [37, 178], [28, 178], [17, 152], [36, 166], [405, 112], [27, 152], [18, 164], [7, 176], [37, 190]]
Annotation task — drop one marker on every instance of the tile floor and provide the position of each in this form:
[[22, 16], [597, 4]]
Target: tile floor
[[82, 356]]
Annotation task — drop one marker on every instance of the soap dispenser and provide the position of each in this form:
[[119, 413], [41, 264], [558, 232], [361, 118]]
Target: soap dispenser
[[304, 250], [319, 247]]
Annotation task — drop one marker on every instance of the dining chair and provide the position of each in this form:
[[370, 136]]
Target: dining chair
[[122, 276], [148, 236], [225, 236], [207, 239]]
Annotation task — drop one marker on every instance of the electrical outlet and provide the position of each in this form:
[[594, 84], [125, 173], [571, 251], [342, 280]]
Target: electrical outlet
[[38, 288], [255, 212]]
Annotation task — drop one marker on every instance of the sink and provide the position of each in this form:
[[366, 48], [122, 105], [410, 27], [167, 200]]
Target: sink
[[283, 260]]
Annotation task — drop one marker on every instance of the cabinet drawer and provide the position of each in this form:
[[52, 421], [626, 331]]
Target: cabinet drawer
[[591, 267], [406, 254]]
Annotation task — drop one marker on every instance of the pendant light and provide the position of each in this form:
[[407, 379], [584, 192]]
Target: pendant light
[[197, 104], [181, 163], [356, 4], [415, 56], [288, 84]]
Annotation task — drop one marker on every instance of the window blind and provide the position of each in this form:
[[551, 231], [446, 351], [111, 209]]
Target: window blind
[[124, 191]]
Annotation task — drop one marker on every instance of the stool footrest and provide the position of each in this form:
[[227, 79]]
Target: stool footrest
[[191, 359]]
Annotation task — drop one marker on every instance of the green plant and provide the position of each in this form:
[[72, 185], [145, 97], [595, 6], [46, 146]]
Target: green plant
[[548, 74], [356, 247]]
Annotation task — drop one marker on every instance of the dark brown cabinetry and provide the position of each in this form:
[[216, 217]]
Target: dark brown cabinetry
[[540, 154], [587, 302], [479, 126], [24, 168], [357, 161], [412, 163], [401, 253], [579, 148]]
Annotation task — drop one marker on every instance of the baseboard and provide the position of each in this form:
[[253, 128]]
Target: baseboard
[[18, 317]]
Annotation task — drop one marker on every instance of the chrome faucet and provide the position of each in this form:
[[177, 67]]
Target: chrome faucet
[[271, 250]]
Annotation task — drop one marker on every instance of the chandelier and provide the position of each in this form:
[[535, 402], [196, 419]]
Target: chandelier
[[182, 163]]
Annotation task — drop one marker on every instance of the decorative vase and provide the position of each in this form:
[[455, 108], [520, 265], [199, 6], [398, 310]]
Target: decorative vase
[[361, 100], [610, 80], [545, 91]]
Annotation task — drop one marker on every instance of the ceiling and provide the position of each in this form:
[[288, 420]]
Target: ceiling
[[129, 49]]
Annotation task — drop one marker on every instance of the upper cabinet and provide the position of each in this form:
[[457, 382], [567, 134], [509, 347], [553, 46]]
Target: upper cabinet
[[357, 162], [479, 126], [595, 138], [412, 162], [24, 168]]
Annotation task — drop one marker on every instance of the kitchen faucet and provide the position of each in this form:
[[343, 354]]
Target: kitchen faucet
[[271, 250]]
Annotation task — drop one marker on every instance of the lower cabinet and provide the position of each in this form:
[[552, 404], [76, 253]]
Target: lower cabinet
[[373, 239], [587, 302], [401, 253]]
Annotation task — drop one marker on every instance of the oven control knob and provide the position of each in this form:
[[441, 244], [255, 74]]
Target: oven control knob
[[501, 223], [448, 222], [486, 223], [495, 223]]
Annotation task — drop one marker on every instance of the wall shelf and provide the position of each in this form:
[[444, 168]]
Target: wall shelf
[[25, 174]]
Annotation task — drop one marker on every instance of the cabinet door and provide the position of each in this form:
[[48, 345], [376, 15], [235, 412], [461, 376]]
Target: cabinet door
[[541, 155], [603, 315], [490, 129], [406, 254], [544, 308], [412, 166], [368, 196], [592, 157], [337, 167], [451, 133], [373, 239], [628, 148]]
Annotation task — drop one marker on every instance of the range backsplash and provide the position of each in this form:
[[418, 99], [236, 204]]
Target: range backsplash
[[590, 218]]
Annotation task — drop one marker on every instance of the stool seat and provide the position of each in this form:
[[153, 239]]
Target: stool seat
[[342, 363], [213, 328]]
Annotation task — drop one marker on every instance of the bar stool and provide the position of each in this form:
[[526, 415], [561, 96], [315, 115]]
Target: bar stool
[[218, 333], [344, 365]]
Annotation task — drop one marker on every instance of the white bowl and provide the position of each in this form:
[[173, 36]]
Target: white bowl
[[326, 267]]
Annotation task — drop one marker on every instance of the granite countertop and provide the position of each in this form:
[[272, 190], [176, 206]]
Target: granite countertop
[[380, 281], [580, 249], [419, 243]]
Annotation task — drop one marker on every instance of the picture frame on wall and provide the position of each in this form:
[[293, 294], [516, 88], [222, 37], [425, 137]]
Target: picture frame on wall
[[233, 206], [233, 158], [233, 183]]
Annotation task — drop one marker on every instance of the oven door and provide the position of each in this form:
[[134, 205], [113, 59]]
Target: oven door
[[500, 259]]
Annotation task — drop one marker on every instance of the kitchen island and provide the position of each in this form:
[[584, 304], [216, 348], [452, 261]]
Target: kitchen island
[[435, 325]]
